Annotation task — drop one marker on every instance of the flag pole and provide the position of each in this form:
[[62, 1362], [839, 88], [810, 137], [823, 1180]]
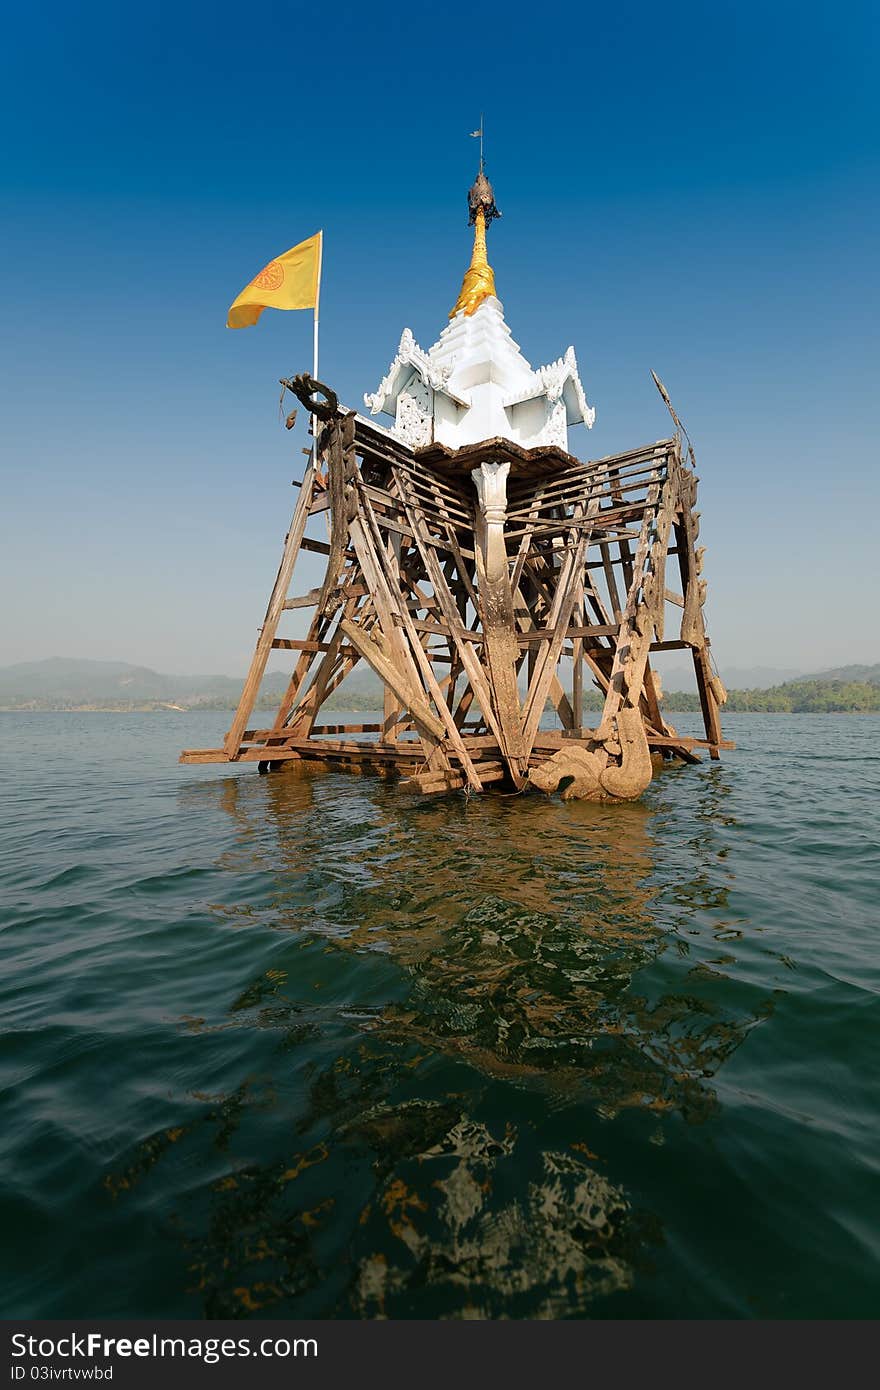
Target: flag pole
[[315, 325], [317, 309]]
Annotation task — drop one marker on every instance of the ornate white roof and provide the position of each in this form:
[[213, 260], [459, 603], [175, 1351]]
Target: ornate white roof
[[474, 383], [560, 378], [408, 356]]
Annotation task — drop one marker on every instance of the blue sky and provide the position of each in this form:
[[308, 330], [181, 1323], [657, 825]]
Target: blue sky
[[690, 187]]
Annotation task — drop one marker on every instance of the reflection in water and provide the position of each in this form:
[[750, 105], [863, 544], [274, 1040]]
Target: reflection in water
[[471, 994]]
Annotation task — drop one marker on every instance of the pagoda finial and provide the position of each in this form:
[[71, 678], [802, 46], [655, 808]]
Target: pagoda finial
[[479, 279]]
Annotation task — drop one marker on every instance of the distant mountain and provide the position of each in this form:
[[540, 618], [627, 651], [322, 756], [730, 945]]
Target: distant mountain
[[70, 683], [867, 675], [76, 681], [734, 677]]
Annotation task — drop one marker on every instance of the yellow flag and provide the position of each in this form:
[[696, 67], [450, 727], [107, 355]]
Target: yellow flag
[[292, 281]]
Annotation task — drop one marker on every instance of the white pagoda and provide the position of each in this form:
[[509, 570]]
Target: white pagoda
[[474, 384], [481, 569]]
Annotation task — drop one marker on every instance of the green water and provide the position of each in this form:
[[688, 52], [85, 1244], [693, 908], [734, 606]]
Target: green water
[[309, 1045]]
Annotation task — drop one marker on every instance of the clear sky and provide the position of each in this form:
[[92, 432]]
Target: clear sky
[[688, 187]]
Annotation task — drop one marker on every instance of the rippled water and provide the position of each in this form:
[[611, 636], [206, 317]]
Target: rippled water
[[307, 1044]]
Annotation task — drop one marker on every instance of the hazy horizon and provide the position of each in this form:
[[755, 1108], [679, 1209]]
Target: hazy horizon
[[724, 237], [667, 664]]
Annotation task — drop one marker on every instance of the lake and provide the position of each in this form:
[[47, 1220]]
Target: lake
[[310, 1045]]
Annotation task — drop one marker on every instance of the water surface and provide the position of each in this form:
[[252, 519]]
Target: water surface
[[309, 1045]]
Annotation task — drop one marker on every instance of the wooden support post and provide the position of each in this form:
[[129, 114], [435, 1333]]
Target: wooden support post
[[273, 613], [424, 665], [418, 578], [577, 648], [450, 612], [708, 703]]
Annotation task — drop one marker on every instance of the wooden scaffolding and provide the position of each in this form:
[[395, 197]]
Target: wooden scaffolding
[[470, 581]]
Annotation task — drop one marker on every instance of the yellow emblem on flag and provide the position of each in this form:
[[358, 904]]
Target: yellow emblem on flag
[[292, 281]]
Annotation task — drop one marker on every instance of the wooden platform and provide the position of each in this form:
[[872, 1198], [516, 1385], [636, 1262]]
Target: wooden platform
[[366, 756], [470, 582]]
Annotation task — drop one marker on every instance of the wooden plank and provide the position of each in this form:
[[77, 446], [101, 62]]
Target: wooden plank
[[458, 556], [318, 729], [611, 581], [459, 632], [298, 644], [522, 553], [651, 702], [526, 622], [331, 669], [711, 720], [392, 677], [568, 590], [261, 735], [359, 748], [577, 647], [583, 486], [631, 653], [275, 607], [450, 728], [572, 633], [392, 709], [422, 625], [438, 782], [303, 600], [559, 738]]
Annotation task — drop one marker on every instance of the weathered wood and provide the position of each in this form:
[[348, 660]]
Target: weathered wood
[[711, 719], [433, 782], [558, 619], [328, 667], [573, 564], [526, 639], [260, 735], [303, 600], [334, 666], [496, 612], [318, 729], [448, 607], [403, 615], [274, 610], [577, 647], [298, 644], [377, 654]]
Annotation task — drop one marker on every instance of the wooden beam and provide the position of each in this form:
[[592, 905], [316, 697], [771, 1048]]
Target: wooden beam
[[292, 543], [303, 600], [451, 732], [298, 644], [389, 674], [459, 632], [525, 639]]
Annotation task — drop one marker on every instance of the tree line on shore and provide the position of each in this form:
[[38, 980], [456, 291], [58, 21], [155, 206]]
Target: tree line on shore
[[814, 696], [795, 697]]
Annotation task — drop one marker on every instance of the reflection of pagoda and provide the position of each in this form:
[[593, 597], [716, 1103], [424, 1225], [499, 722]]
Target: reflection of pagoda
[[472, 561]]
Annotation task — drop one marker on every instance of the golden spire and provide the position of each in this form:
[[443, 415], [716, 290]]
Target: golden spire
[[479, 278]]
